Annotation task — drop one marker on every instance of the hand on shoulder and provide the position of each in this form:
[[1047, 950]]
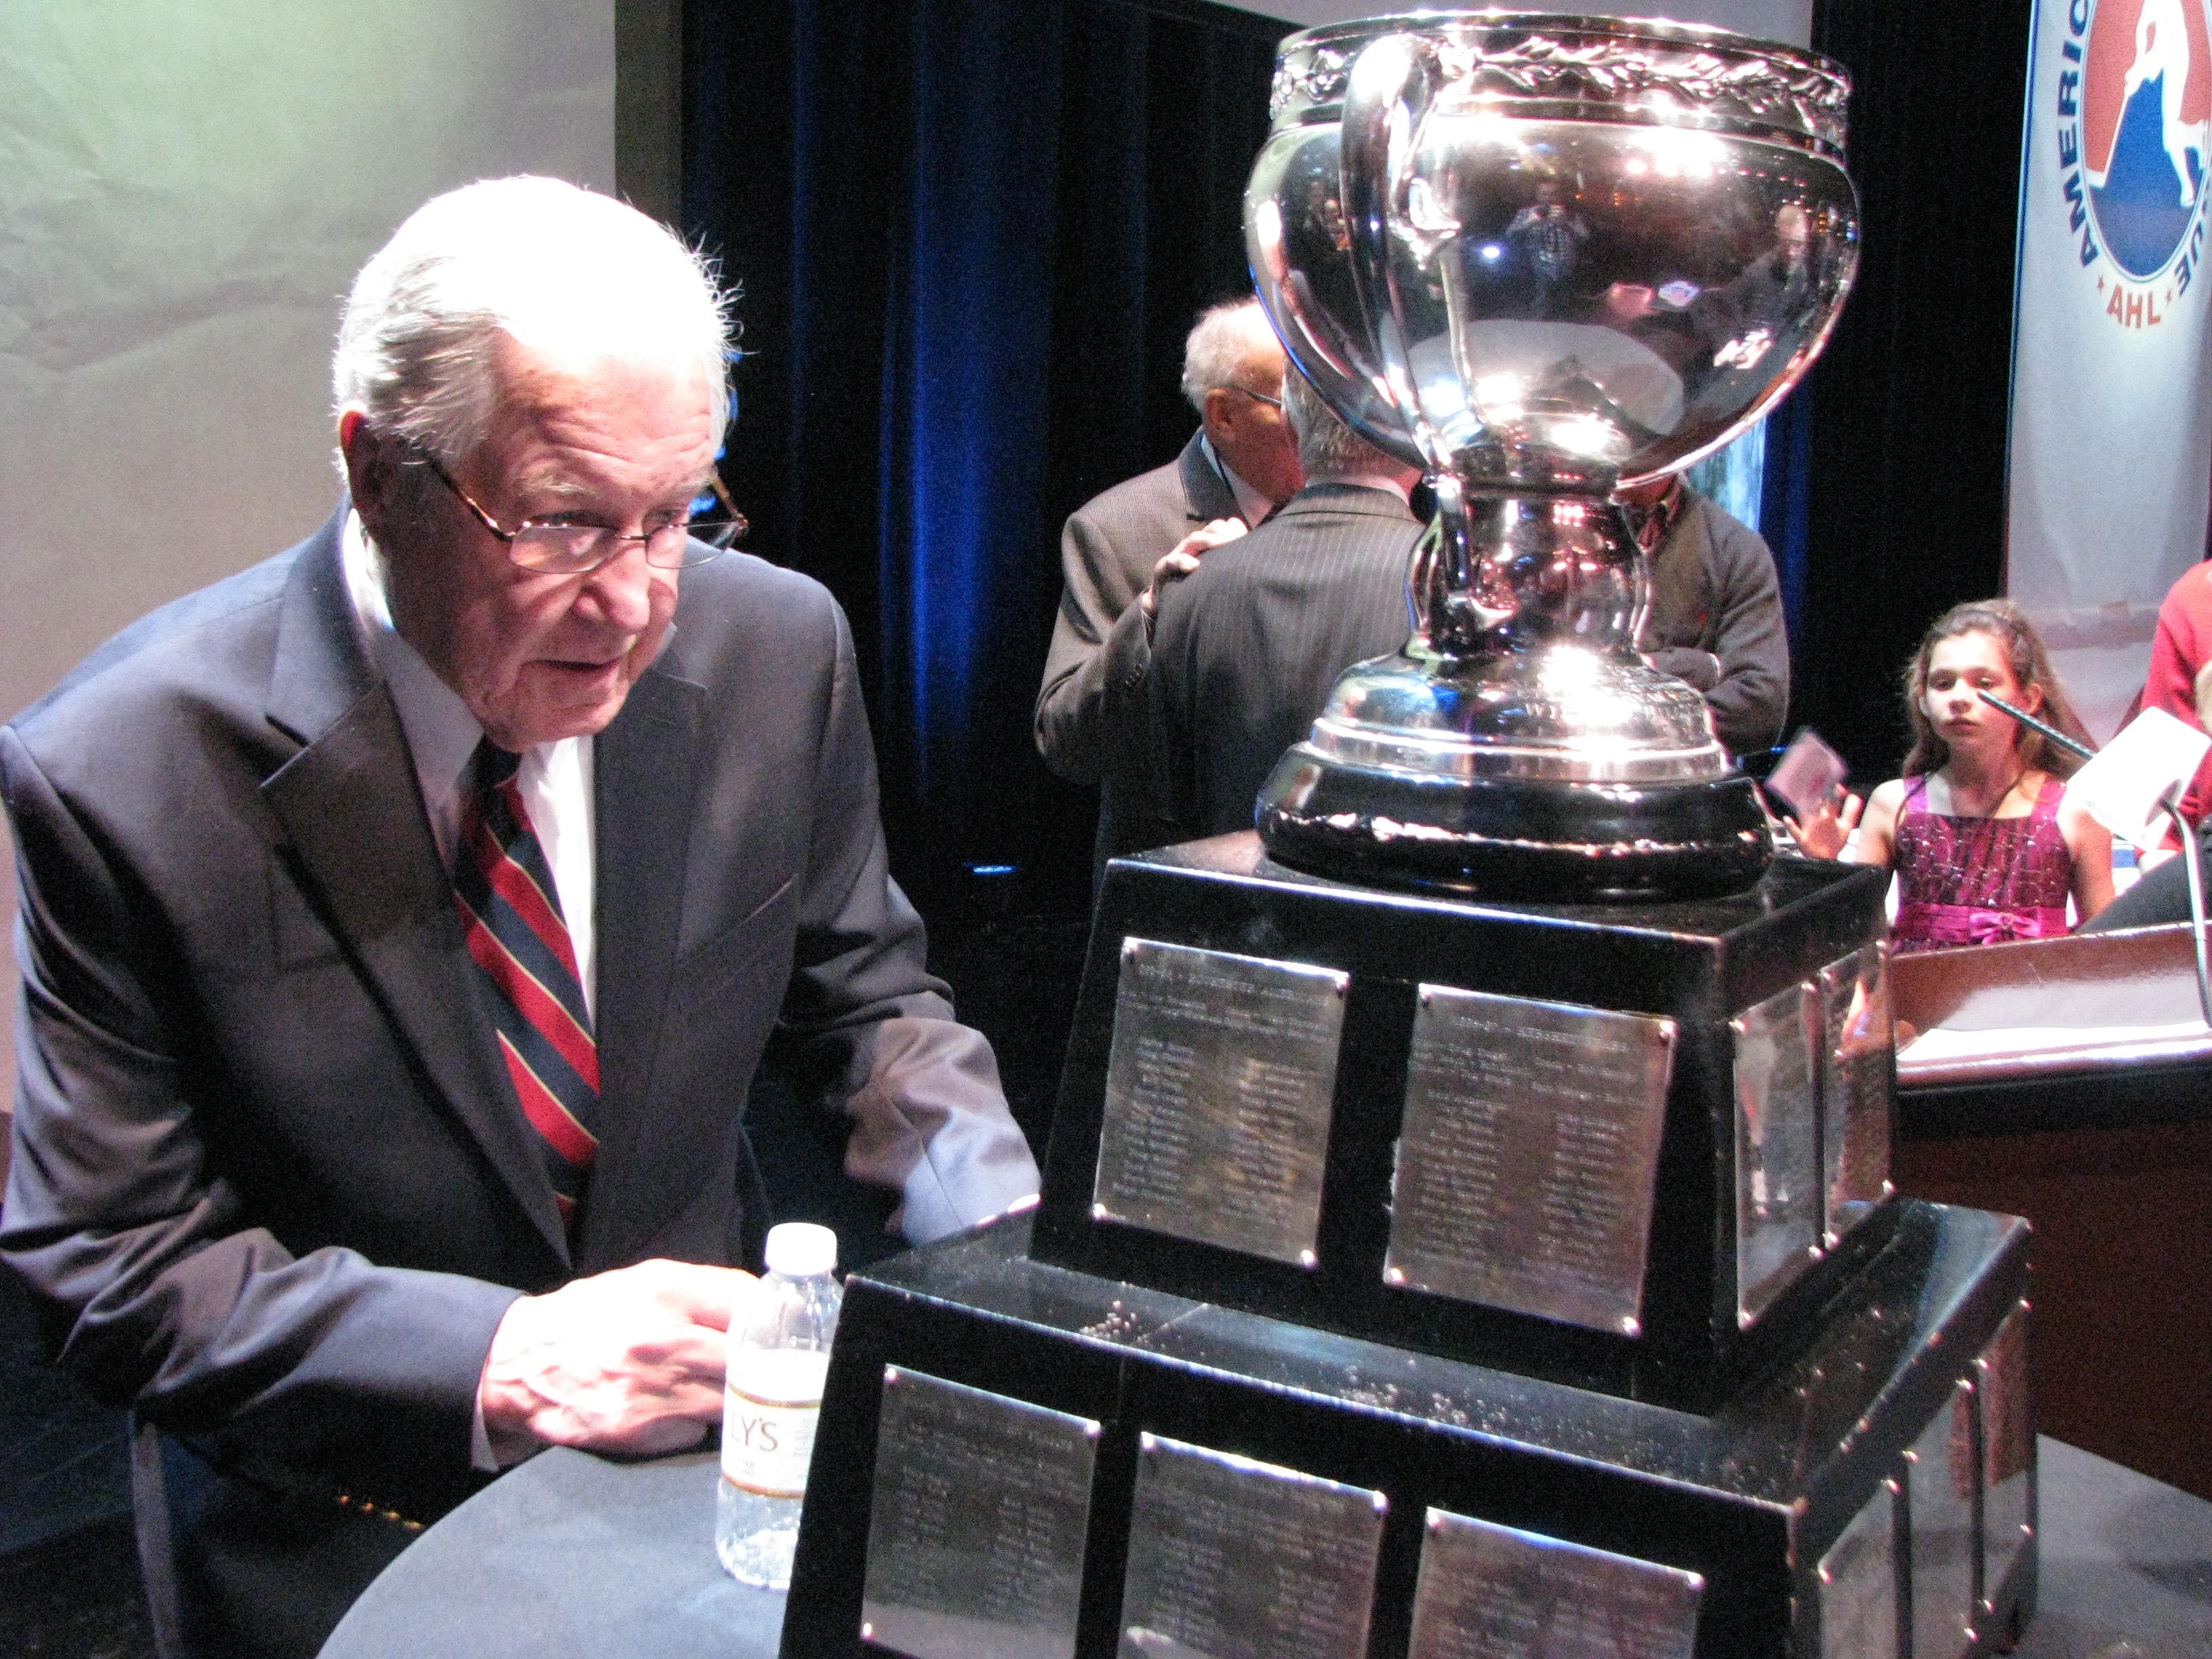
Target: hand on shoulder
[[1182, 558]]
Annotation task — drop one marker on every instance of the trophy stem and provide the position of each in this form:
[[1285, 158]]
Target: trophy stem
[[1518, 746]]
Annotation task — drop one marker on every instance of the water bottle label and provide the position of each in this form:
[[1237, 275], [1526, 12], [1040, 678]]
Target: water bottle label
[[768, 1417]]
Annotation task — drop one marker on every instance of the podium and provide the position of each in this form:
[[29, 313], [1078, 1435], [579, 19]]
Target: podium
[[2069, 1080], [1415, 1276]]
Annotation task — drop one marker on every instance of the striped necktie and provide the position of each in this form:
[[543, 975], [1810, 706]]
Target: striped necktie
[[511, 913]]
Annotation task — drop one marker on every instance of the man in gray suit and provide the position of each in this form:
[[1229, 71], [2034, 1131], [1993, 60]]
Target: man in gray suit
[[1715, 617], [1120, 548], [403, 918], [1247, 646]]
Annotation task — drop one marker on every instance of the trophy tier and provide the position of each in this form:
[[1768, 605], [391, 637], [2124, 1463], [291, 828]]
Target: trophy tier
[[1016, 1459], [1636, 1148]]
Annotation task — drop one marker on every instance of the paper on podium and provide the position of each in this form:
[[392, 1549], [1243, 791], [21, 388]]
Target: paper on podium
[[2124, 786]]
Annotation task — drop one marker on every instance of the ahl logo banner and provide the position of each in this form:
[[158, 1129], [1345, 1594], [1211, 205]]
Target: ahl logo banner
[[2111, 435]]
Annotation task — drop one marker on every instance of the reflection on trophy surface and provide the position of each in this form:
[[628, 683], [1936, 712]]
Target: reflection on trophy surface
[[1542, 258]]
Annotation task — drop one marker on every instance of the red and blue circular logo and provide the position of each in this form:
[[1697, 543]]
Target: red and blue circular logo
[[2146, 134]]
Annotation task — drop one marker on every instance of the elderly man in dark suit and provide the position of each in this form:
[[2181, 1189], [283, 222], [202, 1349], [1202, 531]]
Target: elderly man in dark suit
[[1119, 549], [403, 918], [1247, 646]]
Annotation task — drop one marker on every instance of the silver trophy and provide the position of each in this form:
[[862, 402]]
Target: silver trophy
[[1543, 258]]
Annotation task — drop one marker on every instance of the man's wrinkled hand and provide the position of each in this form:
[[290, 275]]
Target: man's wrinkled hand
[[630, 1360], [1182, 558]]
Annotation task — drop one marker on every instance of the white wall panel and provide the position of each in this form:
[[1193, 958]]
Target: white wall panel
[[185, 191]]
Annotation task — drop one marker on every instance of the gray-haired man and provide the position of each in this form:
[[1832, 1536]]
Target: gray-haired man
[[1119, 549], [403, 918]]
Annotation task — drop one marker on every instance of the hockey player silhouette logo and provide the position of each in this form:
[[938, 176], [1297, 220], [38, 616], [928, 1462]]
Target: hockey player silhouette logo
[[2145, 127]]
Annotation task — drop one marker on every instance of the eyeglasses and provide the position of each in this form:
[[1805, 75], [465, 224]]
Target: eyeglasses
[[1258, 397], [574, 549]]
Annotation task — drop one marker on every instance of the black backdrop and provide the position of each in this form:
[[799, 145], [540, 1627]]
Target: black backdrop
[[971, 234], [1905, 512]]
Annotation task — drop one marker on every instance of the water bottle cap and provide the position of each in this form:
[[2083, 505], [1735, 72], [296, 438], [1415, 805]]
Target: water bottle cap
[[798, 1249]]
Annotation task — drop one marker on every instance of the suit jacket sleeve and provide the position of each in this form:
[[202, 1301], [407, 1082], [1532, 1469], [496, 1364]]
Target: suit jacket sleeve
[[871, 1029], [114, 1210], [1752, 701], [1090, 649], [1716, 621]]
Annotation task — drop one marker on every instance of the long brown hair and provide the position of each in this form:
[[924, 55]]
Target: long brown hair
[[2001, 620]]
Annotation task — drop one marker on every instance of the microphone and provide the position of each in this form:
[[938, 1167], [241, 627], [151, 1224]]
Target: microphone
[[2082, 750]]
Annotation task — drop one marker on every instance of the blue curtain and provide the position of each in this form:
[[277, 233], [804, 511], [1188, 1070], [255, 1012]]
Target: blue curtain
[[970, 235]]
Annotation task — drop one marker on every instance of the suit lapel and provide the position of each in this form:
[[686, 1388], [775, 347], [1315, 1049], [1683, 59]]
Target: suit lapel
[[1206, 491], [645, 772], [356, 833]]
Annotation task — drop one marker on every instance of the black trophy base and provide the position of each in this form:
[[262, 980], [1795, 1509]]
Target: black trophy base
[[1249, 1053], [1018, 1459], [1514, 838]]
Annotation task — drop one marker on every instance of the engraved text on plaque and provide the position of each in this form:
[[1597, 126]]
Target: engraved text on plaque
[[1778, 1149], [1530, 1150], [1219, 1091], [1940, 1502], [1230, 1558], [1857, 1580], [976, 1537], [1859, 1027], [2008, 1452], [1493, 1592]]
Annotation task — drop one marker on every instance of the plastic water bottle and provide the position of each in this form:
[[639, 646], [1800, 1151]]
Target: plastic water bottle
[[779, 1356]]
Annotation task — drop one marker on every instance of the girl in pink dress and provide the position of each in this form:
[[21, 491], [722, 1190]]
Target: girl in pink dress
[[1985, 845]]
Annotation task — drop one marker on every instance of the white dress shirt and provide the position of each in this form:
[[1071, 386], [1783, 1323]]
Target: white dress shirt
[[555, 778]]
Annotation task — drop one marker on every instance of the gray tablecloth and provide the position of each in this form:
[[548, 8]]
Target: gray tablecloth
[[575, 1557]]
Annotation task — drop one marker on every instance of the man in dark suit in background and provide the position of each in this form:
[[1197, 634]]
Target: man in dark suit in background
[[1119, 549], [404, 917], [1247, 646]]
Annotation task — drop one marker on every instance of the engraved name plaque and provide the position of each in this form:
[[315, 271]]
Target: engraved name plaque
[[1230, 1558], [1219, 1088], [1940, 1501], [2008, 1452], [1857, 1583], [1528, 1154], [1493, 1592], [1778, 1149], [976, 1537], [1858, 1056]]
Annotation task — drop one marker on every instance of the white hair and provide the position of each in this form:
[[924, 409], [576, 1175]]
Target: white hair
[[538, 261], [1328, 447], [1220, 341]]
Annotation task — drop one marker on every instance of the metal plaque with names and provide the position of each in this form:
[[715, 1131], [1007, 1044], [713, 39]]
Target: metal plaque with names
[[1858, 1063], [1218, 1091], [1493, 1592], [1778, 1148], [975, 1536], [1529, 1155], [1230, 1558], [1857, 1583], [2008, 1452], [1940, 1506]]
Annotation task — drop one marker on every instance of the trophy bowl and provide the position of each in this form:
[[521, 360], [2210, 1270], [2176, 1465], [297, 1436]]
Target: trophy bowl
[[1543, 258]]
